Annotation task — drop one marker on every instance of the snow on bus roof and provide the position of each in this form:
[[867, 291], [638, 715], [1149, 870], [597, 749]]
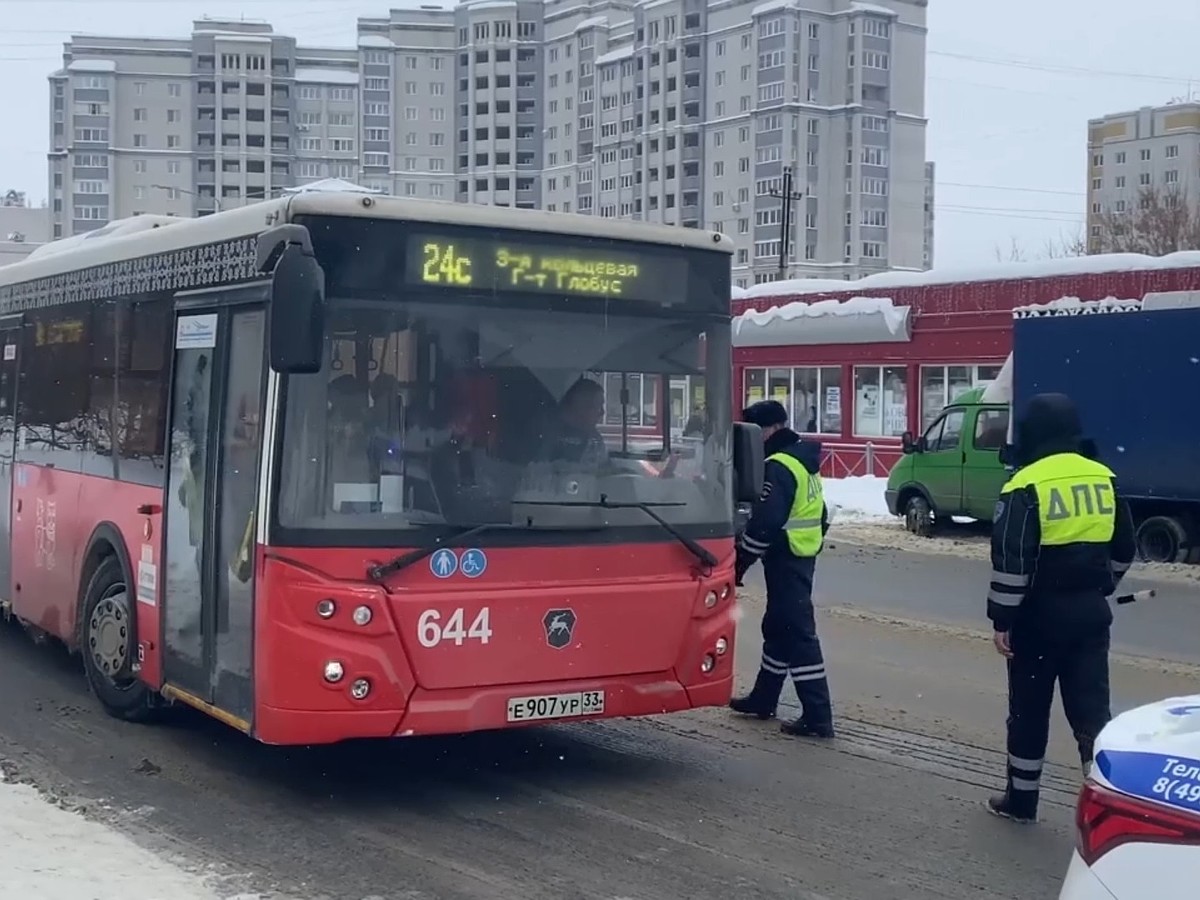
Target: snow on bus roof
[[122, 240], [1079, 265]]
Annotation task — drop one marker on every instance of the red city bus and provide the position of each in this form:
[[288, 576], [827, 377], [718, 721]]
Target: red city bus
[[327, 467]]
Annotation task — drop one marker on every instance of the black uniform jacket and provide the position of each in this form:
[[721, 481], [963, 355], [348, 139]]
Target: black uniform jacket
[[1048, 594]]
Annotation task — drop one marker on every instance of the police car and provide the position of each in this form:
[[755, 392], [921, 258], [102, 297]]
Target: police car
[[1138, 817]]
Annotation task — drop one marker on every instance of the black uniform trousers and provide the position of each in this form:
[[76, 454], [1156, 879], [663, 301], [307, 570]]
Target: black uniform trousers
[[791, 648], [1080, 666]]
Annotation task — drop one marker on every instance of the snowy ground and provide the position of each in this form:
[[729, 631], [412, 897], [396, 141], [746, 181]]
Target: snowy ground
[[861, 517], [50, 853], [857, 500]]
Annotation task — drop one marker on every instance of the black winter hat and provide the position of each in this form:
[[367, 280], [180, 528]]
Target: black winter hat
[[765, 413]]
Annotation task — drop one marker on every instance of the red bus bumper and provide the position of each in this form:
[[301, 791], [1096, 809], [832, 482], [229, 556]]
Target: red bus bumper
[[659, 641]]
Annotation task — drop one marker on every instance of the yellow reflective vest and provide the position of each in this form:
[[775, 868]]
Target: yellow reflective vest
[[803, 525], [1076, 503]]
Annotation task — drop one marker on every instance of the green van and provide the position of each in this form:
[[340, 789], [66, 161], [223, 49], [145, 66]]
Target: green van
[[954, 468]]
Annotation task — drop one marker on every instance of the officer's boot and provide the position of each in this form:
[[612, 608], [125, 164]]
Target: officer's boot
[[1015, 806], [1087, 749], [763, 698]]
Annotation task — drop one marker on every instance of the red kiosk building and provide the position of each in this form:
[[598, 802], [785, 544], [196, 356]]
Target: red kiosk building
[[859, 363]]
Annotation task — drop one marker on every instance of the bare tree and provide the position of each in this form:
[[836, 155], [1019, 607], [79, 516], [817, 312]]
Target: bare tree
[[1067, 245], [1158, 222]]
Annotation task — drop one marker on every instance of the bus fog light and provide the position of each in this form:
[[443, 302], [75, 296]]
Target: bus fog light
[[362, 615], [710, 599], [708, 663], [722, 646], [326, 608], [334, 671], [360, 688]]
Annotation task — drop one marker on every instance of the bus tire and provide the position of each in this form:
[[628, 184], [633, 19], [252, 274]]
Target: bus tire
[[108, 643]]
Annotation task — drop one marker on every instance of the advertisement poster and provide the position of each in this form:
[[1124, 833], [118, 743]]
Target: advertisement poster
[[833, 401]]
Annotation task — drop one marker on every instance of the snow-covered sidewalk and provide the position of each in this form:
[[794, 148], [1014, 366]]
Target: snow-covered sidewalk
[[857, 500], [49, 853]]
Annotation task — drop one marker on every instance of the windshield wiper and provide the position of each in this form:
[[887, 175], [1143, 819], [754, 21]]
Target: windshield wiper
[[695, 549], [381, 571]]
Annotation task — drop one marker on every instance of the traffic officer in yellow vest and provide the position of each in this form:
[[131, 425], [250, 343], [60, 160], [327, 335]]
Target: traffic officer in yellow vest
[[1061, 541], [786, 530]]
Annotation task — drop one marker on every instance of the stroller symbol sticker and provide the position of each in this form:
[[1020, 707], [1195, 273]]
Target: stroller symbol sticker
[[560, 626]]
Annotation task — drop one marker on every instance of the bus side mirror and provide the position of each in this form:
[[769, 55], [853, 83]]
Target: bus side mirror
[[906, 443], [1007, 455], [296, 316], [747, 462]]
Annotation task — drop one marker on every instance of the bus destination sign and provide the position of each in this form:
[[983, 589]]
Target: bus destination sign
[[488, 264]]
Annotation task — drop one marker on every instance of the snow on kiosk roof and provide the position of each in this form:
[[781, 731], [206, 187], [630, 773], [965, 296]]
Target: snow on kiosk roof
[[121, 242], [1079, 265]]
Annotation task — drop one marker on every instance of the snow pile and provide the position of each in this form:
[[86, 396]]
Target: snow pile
[[1079, 265], [854, 320], [857, 500], [51, 854]]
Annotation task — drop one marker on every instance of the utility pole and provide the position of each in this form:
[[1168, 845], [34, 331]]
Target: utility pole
[[785, 223]]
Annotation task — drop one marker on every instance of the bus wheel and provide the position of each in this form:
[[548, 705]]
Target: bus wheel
[[1162, 539], [918, 516], [109, 644]]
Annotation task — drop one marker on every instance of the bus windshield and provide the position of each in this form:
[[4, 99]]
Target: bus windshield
[[435, 414]]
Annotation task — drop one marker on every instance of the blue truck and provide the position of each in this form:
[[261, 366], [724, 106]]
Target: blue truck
[[1135, 376], [1132, 368]]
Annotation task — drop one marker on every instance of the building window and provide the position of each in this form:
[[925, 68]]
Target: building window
[[880, 401], [812, 395], [942, 385]]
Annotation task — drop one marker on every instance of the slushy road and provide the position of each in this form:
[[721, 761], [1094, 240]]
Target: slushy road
[[950, 585], [687, 807]]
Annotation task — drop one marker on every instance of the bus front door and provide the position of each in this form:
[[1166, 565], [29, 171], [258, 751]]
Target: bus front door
[[215, 445], [10, 341]]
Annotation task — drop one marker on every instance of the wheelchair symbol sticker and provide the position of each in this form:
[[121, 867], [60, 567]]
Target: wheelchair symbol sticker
[[443, 563], [474, 563]]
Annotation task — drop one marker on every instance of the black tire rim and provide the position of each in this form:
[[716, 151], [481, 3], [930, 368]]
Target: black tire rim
[[109, 637]]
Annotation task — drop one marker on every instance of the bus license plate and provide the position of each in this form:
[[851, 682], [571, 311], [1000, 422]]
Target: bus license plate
[[555, 706]]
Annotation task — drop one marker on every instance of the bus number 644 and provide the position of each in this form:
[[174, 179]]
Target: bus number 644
[[431, 631]]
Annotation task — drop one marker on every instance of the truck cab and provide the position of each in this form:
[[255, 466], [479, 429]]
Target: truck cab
[[954, 468]]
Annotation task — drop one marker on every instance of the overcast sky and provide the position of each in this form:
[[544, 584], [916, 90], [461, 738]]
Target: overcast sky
[[1010, 89]]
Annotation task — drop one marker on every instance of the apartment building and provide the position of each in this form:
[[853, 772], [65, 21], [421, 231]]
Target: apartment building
[[677, 111], [22, 230], [1130, 153]]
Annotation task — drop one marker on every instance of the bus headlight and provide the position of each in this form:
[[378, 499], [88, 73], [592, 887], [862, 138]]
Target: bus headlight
[[708, 663], [360, 688], [334, 672], [362, 615], [722, 646], [710, 599], [326, 608], [726, 590]]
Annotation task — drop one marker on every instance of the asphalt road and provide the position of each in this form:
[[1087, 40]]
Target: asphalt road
[[953, 589], [692, 806]]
